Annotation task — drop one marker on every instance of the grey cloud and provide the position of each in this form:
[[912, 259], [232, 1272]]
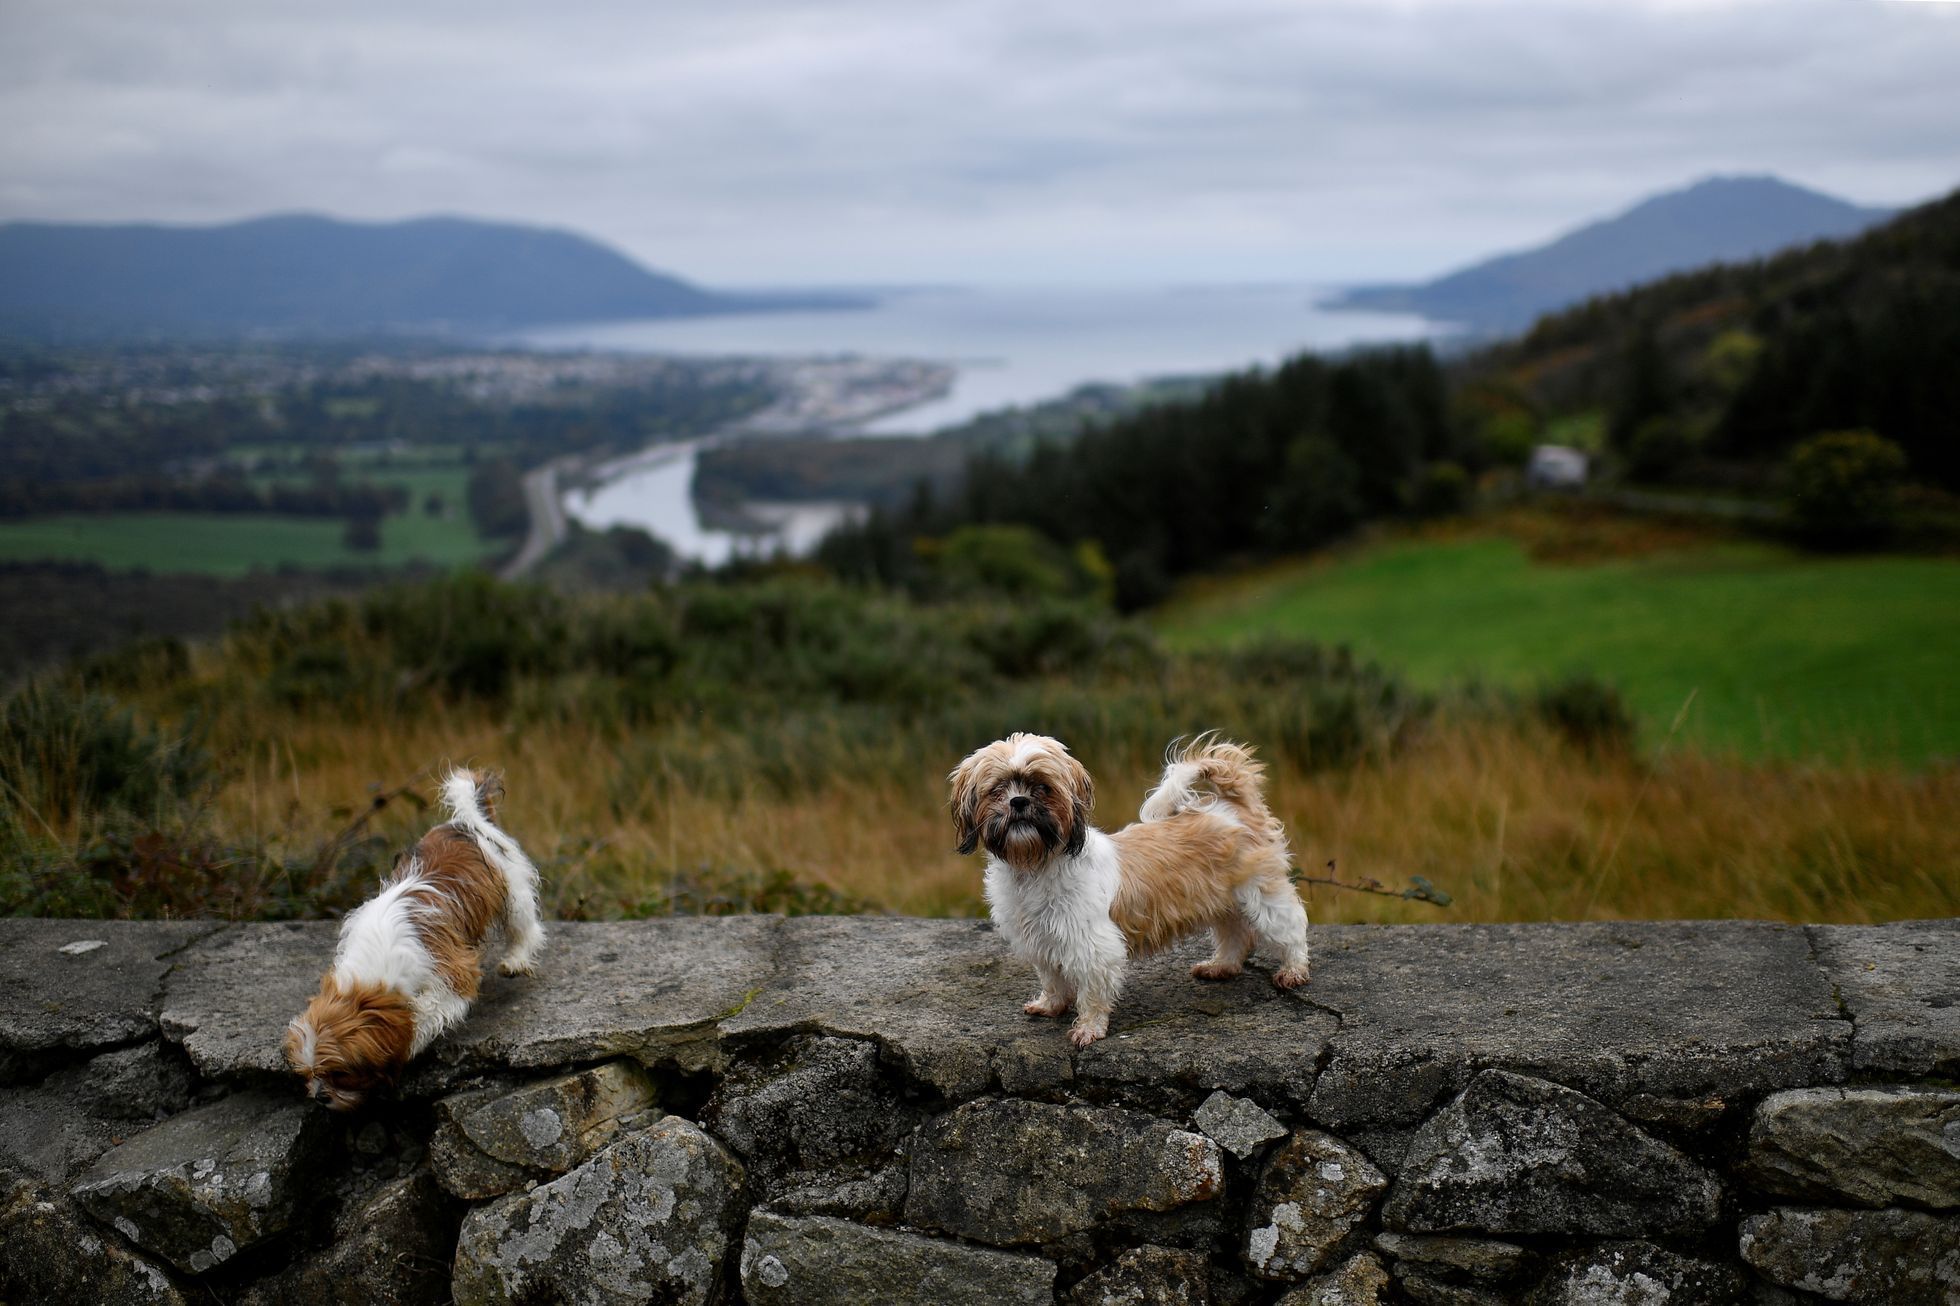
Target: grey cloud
[[871, 139]]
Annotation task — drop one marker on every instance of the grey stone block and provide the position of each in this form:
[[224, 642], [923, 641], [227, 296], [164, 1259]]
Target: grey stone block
[[1238, 1126], [1877, 1146], [1901, 985], [490, 1142], [819, 1261], [1520, 1155], [1894, 1258], [1015, 1172], [649, 1218], [1313, 1193], [1637, 1274], [212, 1182]]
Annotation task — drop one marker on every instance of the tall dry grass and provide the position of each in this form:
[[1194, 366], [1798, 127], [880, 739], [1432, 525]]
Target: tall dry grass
[[783, 747], [1511, 820]]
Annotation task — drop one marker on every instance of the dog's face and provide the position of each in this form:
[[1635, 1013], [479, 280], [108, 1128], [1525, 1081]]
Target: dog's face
[[1024, 798], [350, 1042]]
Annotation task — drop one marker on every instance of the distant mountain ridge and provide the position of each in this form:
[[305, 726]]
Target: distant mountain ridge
[[1718, 220], [314, 275]]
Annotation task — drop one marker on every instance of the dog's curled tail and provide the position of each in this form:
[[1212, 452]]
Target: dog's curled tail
[[1210, 773], [471, 799]]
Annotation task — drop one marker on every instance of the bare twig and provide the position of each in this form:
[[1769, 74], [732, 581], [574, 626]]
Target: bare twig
[[1419, 890], [330, 851]]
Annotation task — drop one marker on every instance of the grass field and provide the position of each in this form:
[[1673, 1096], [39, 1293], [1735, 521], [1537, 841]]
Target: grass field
[[1773, 653], [231, 544]]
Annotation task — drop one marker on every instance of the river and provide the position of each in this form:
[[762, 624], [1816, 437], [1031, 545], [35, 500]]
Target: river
[[1010, 346]]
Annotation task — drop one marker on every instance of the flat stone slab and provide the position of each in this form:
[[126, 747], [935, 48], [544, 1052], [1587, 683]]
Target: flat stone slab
[[1901, 985], [1650, 1018], [1637, 1014], [944, 998], [69, 987], [650, 990]]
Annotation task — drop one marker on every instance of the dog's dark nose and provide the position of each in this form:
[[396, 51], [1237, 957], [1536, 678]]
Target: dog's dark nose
[[1018, 803]]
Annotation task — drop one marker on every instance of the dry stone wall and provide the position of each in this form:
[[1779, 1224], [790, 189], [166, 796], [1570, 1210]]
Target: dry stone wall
[[846, 1110]]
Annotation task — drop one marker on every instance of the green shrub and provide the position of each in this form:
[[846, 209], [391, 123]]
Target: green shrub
[[1841, 489], [1506, 438], [1010, 561], [69, 753]]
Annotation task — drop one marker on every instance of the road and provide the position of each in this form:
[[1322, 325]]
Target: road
[[547, 517]]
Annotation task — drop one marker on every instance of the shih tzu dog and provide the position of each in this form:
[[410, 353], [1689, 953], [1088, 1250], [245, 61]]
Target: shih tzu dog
[[410, 959], [1078, 903]]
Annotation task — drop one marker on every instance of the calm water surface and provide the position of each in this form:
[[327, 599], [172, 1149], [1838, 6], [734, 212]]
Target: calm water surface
[[1011, 346]]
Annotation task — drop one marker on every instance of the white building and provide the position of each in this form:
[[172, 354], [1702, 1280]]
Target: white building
[[1556, 467]]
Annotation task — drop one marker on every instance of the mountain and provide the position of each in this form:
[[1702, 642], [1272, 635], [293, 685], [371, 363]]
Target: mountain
[[1722, 219], [320, 276]]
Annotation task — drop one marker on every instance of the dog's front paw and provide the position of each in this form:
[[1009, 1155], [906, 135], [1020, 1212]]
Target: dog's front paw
[[1045, 1005], [1085, 1032], [1215, 970], [1292, 977], [517, 968]]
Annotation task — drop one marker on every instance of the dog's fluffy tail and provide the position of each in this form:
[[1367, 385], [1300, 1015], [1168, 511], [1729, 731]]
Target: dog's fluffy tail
[[471, 799], [1213, 774]]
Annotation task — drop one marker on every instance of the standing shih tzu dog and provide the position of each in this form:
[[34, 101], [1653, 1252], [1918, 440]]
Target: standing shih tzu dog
[[410, 959], [1078, 903]]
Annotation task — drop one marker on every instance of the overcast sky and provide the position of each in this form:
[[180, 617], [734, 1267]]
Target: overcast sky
[[787, 141]]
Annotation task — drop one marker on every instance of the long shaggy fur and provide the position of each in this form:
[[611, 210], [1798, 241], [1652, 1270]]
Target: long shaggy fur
[[1077, 903], [410, 959]]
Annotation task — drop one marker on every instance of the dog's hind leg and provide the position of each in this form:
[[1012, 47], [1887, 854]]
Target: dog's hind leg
[[523, 929], [1274, 913], [1232, 940]]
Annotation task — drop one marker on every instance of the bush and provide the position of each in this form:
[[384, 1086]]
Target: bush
[[1011, 561], [1660, 447], [1506, 438], [1318, 496], [1841, 489], [1443, 490], [1589, 713], [68, 754]]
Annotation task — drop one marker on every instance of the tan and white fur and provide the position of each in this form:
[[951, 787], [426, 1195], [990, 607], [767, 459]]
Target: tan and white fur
[[1078, 903], [410, 959]]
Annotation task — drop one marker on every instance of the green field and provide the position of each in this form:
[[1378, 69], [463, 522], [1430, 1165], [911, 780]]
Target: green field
[[1784, 654], [231, 544]]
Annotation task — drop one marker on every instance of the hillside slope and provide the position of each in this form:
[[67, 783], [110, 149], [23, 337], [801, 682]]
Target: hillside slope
[[319, 275], [1722, 219]]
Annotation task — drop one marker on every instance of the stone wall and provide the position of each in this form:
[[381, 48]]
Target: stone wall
[[831, 1110]]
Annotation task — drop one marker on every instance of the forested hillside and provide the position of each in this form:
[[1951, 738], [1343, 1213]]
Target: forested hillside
[[1706, 380]]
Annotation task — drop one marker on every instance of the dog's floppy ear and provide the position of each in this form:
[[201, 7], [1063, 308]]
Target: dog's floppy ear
[[1082, 800], [965, 802]]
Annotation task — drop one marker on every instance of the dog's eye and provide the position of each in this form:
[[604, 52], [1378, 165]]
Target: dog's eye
[[1000, 788]]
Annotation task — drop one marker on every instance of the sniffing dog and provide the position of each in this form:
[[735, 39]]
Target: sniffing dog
[[1077, 902], [410, 959]]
